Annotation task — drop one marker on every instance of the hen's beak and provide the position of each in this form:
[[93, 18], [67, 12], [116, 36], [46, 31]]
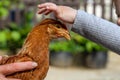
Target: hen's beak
[[65, 34]]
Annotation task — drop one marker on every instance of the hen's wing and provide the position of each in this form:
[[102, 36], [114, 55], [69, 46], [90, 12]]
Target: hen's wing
[[13, 59]]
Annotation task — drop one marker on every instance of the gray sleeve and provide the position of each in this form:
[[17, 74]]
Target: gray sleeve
[[98, 30]]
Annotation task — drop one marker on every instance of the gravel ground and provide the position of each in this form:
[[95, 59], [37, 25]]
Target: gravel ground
[[111, 72]]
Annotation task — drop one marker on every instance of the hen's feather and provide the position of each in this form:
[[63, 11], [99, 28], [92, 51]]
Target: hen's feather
[[35, 49]]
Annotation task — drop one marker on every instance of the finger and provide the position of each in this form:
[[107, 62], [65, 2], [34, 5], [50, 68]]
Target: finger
[[48, 6], [2, 77], [13, 79], [15, 67], [47, 12], [52, 8], [40, 11], [43, 5]]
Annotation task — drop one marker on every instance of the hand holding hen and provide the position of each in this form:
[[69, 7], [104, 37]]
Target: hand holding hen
[[15, 67]]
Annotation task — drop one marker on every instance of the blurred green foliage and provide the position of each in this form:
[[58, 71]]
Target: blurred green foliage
[[4, 5], [12, 38], [77, 44], [67, 46], [13, 35], [89, 46]]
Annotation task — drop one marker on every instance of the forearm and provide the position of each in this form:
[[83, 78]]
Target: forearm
[[98, 30]]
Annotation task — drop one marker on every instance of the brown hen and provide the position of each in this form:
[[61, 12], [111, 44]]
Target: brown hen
[[35, 48]]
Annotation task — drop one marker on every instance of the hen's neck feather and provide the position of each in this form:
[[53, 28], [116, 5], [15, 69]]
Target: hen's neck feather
[[37, 41]]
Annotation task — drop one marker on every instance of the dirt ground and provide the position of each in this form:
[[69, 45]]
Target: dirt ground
[[111, 72]]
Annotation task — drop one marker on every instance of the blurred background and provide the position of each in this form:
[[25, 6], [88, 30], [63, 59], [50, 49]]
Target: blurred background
[[77, 59]]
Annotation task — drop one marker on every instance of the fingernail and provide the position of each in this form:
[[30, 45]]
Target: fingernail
[[34, 64]]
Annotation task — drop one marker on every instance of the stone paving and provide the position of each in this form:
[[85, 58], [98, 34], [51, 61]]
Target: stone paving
[[111, 72]]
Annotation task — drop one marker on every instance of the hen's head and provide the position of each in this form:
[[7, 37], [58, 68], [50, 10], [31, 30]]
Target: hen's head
[[56, 29]]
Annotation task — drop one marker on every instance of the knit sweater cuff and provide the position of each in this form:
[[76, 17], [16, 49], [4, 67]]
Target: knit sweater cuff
[[78, 23]]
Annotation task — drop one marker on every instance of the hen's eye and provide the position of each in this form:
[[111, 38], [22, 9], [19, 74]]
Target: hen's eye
[[58, 26]]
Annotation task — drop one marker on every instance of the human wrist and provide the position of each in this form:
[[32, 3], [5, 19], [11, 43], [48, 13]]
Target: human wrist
[[74, 15], [66, 14]]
